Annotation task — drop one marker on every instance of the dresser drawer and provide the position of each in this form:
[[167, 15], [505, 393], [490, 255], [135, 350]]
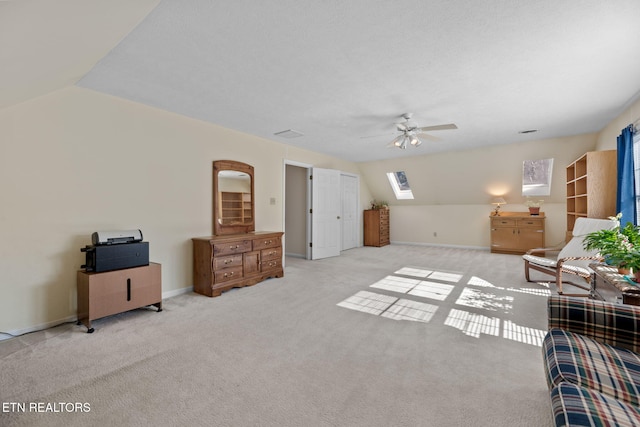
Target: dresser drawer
[[220, 262], [271, 264], [271, 253], [266, 242], [531, 223], [230, 248], [503, 222], [227, 274]]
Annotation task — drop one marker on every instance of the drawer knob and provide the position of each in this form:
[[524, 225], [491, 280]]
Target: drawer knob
[[229, 274]]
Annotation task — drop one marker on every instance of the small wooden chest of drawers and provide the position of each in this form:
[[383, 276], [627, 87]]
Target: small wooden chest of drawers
[[516, 232], [376, 227], [232, 261]]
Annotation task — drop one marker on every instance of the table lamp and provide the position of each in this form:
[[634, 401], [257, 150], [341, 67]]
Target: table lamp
[[498, 201]]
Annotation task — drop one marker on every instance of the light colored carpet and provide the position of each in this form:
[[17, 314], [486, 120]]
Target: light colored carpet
[[318, 347]]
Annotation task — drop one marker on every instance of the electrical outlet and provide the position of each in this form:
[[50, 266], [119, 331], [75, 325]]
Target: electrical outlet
[[272, 201], [435, 234]]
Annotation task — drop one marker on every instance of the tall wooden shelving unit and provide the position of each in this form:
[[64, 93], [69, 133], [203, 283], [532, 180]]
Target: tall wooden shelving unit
[[591, 187], [235, 207]]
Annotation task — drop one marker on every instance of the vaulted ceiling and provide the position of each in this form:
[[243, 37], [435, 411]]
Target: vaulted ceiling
[[339, 72]]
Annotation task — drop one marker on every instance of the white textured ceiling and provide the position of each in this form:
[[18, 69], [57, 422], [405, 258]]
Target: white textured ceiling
[[340, 70]]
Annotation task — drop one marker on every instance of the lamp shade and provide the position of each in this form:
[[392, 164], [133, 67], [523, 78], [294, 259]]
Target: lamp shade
[[498, 201]]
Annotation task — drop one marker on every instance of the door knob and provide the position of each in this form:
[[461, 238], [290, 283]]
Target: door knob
[[338, 217]]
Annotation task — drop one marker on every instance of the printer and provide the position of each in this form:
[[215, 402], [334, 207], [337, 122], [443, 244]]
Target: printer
[[115, 250]]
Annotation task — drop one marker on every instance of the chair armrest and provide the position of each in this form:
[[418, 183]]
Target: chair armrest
[[606, 322], [556, 248], [579, 258]]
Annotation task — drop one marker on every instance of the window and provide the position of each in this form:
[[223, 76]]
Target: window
[[536, 177], [400, 185]]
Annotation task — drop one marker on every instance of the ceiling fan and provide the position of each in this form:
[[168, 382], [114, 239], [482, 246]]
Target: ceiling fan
[[413, 135]]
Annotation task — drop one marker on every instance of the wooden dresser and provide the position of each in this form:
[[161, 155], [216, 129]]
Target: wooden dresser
[[236, 260], [516, 232], [376, 227]]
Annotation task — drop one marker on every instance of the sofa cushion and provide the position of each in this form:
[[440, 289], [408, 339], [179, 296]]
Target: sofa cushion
[[587, 363], [578, 406], [614, 324]]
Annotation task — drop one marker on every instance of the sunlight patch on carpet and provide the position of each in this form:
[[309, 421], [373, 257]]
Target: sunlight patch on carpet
[[487, 301], [368, 302], [477, 281], [405, 309], [531, 291], [390, 307], [473, 324], [524, 334], [396, 284], [433, 290], [414, 272], [446, 277]]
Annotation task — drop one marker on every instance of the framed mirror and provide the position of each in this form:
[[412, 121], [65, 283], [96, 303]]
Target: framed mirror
[[233, 197]]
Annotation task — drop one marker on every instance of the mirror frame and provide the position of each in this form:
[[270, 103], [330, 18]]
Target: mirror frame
[[221, 229]]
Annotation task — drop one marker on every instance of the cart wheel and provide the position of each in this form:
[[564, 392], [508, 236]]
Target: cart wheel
[[90, 330]]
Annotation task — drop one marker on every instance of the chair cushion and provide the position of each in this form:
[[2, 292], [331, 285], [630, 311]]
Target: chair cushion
[[578, 406], [538, 260], [582, 361], [575, 246]]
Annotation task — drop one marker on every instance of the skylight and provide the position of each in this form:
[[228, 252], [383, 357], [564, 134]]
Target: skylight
[[400, 185]]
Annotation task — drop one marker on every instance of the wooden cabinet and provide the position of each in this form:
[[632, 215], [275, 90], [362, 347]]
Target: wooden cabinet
[[516, 232], [112, 292], [591, 186], [236, 260], [376, 227]]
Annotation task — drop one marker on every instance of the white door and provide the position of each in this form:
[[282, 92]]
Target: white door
[[350, 211], [325, 213]]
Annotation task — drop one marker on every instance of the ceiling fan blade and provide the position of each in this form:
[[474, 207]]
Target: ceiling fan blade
[[438, 127], [427, 137], [402, 127]]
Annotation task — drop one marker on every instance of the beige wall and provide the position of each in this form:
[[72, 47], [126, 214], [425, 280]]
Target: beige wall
[[453, 190], [76, 161], [607, 139]]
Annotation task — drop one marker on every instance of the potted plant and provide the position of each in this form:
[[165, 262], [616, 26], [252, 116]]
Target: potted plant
[[534, 206], [375, 205], [619, 247]]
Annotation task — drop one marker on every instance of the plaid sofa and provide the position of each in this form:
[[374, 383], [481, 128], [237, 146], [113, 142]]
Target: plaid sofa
[[592, 362]]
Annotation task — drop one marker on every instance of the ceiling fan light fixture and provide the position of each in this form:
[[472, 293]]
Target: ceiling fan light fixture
[[415, 141]]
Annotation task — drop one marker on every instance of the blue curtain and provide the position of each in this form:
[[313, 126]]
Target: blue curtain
[[626, 194]]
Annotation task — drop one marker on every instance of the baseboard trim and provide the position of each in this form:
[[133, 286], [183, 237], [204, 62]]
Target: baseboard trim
[[438, 245], [177, 292], [17, 332], [292, 255]]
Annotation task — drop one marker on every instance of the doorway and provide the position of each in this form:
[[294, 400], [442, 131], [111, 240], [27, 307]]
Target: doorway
[[336, 228]]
